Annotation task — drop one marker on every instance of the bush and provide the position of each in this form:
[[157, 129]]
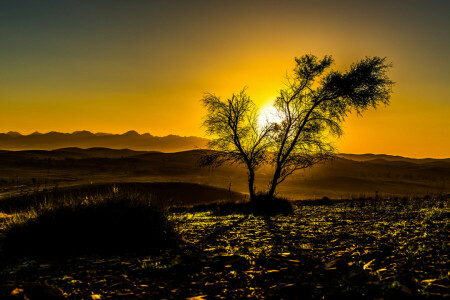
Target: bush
[[104, 227], [264, 204]]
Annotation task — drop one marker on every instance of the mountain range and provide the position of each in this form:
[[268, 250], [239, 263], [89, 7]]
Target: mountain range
[[86, 139]]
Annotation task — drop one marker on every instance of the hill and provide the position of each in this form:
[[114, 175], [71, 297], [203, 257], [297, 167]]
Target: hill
[[370, 156], [361, 175]]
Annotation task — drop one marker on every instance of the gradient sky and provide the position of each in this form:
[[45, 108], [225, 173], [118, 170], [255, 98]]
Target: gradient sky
[[113, 66]]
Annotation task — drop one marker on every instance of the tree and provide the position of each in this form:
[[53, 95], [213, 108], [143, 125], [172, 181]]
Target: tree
[[313, 106], [310, 110], [235, 133]]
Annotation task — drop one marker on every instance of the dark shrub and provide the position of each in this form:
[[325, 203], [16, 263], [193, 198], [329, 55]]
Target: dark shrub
[[325, 201], [264, 204], [107, 226]]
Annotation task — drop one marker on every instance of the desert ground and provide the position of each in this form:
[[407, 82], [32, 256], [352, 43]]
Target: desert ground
[[119, 224]]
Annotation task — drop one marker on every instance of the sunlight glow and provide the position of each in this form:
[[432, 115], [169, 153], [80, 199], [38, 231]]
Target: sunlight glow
[[268, 114]]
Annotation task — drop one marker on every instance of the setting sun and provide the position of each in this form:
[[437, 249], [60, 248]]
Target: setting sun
[[267, 115]]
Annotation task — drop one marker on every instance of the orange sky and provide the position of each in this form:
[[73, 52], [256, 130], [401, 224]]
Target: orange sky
[[112, 66]]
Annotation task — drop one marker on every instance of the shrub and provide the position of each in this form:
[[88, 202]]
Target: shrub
[[264, 204], [105, 226]]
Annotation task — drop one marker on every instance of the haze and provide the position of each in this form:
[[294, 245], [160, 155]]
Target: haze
[[112, 66]]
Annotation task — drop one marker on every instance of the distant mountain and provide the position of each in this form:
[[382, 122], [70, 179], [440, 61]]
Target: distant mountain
[[86, 139], [14, 133]]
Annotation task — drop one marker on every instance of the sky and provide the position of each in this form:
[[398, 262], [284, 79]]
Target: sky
[[114, 66]]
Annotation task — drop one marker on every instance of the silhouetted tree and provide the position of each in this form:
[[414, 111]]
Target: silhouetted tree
[[314, 104], [235, 133], [310, 111]]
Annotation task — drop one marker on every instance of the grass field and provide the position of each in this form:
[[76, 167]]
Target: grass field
[[361, 248]]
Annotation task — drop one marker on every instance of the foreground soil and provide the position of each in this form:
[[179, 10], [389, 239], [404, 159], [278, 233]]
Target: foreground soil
[[358, 249]]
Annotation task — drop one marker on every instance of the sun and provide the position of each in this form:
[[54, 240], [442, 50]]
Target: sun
[[268, 114]]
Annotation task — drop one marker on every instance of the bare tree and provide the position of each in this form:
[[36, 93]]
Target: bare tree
[[314, 104], [235, 133]]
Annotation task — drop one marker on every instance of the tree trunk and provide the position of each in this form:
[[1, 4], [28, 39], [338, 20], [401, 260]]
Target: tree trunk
[[251, 184], [274, 182]]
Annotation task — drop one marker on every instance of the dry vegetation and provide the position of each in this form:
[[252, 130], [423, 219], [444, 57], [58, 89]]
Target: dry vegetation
[[371, 248]]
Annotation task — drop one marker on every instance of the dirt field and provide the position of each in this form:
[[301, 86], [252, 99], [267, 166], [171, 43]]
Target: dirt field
[[366, 248]]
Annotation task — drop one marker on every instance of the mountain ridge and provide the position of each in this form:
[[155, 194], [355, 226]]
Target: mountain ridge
[[133, 140], [86, 139]]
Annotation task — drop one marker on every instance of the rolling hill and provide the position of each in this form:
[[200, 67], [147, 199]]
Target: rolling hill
[[362, 175]]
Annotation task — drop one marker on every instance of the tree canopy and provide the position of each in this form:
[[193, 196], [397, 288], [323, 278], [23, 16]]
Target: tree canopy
[[313, 106], [233, 124]]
